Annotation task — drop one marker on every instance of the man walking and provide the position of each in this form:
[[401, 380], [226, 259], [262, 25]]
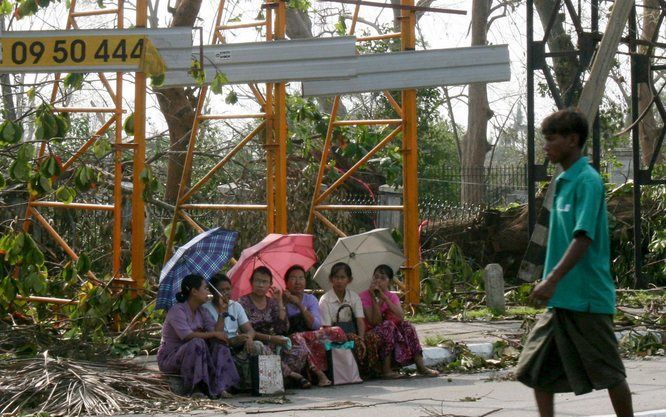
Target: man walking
[[573, 347]]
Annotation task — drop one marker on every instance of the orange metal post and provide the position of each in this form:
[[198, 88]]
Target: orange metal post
[[118, 167], [280, 126], [138, 218], [322, 166], [410, 168], [269, 144]]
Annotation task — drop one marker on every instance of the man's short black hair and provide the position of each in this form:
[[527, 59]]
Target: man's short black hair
[[565, 122]]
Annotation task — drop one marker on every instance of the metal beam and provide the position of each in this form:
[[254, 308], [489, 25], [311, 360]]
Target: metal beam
[[418, 69], [276, 61]]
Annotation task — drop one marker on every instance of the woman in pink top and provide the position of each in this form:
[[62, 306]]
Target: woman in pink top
[[384, 316]]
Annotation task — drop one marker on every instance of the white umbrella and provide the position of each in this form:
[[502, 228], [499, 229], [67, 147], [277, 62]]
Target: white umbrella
[[363, 252]]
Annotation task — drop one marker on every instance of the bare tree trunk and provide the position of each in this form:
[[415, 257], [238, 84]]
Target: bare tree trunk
[[475, 146], [648, 128], [177, 105]]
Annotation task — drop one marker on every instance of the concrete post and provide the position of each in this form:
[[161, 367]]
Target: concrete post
[[390, 196], [493, 277]]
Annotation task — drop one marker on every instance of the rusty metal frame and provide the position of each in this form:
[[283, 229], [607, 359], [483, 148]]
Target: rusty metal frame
[[138, 146], [273, 123], [407, 126]]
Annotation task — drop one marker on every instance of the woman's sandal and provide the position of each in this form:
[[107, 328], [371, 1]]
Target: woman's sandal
[[393, 375], [304, 383], [428, 372], [326, 383]]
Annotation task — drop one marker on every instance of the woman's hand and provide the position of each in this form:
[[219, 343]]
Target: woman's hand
[[220, 336], [279, 340], [238, 340], [249, 346], [288, 297]]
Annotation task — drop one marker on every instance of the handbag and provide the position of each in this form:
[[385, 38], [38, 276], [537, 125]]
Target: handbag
[[342, 366], [297, 324], [346, 326], [266, 375]]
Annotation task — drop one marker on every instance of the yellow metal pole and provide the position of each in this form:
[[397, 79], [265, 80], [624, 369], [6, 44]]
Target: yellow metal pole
[[280, 126], [118, 167], [138, 219], [410, 167]]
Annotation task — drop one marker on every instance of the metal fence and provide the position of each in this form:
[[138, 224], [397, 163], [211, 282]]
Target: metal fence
[[500, 185]]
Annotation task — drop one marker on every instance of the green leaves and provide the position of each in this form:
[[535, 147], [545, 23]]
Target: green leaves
[[128, 126], [5, 7], [83, 264], [301, 5], [10, 132], [341, 26], [74, 80], [231, 98], [84, 178], [101, 147], [50, 126], [157, 80], [197, 72], [156, 255], [21, 249], [65, 194], [50, 167], [218, 82]]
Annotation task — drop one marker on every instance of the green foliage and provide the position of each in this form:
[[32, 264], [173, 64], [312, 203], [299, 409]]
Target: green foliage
[[50, 126], [441, 275], [101, 147], [10, 133], [5, 7], [128, 126], [341, 26], [74, 80], [157, 80], [653, 202], [84, 178], [218, 82], [301, 5], [197, 73]]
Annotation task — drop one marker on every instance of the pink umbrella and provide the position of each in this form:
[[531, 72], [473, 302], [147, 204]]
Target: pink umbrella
[[276, 252]]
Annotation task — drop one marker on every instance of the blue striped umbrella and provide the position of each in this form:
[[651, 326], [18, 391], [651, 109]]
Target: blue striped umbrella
[[204, 255]]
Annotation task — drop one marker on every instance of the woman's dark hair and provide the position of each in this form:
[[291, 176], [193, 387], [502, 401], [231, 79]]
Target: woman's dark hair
[[338, 266], [566, 122], [214, 282], [189, 283], [292, 269], [261, 270], [386, 270]]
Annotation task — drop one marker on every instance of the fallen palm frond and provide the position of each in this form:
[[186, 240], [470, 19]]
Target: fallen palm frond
[[65, 387]]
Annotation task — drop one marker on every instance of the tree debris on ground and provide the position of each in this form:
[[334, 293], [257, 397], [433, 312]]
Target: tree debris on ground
[[65, 387]]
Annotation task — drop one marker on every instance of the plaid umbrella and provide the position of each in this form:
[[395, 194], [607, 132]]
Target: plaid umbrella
[[204, 255]]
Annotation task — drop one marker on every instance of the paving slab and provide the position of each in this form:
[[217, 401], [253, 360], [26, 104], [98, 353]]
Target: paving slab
[[471, 331]]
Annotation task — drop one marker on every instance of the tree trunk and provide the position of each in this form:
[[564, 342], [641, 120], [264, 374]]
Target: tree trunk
[[177, 105], [648, 128], [475, 145], [566, 67]]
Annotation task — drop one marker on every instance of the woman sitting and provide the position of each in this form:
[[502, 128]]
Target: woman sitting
[[305, 323], [399, 341], [342, 307], [269, 320], [237, 328], [194, 346]]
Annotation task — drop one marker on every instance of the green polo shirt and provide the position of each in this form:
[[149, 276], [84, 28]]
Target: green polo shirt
[[580, 206]]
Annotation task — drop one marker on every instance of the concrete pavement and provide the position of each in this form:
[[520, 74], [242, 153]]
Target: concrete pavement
[[468, 395]]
